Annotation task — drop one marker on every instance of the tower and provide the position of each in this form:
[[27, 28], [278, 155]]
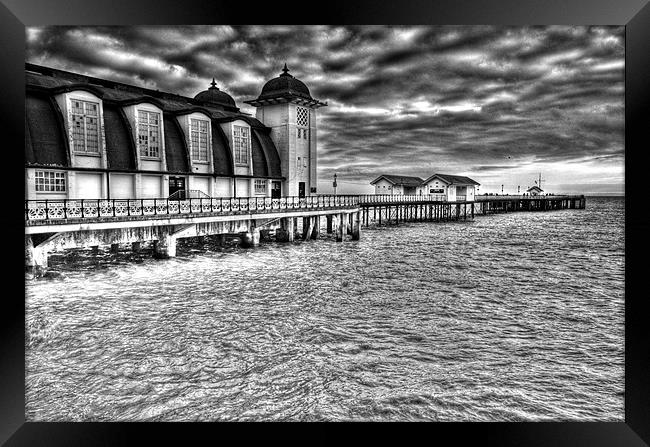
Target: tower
[[286, 106]]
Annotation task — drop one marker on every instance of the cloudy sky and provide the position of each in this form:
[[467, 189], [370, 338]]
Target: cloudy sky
[[499, 104]]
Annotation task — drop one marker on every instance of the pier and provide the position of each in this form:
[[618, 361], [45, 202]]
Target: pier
[[392, 209], [55, 225]]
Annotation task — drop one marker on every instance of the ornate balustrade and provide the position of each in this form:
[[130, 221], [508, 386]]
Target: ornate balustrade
[[48, 210], [399, 198]]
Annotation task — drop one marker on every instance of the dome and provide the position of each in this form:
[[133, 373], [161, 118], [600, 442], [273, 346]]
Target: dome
[[215, 96], [285, 83]]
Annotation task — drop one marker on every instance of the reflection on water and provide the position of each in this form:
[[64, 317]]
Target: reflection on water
[[510, 317]]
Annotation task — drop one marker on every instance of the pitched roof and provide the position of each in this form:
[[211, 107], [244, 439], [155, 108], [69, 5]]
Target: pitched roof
[[453, 179], [534, 188], [399, 180]]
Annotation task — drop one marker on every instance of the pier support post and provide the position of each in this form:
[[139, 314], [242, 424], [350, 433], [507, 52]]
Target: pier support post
[[250, 238], [135, 246], [316, 230], [329, 224], [286, 230], [115, 248], [165, 247], [338, 227], [35, 257], [356, 226], [291, 228]]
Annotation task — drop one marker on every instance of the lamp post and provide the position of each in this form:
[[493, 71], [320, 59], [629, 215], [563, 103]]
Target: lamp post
[[334, 184]]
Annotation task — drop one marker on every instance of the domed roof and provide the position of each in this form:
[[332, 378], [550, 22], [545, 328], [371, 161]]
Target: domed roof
[[215, 96], [285, 83]]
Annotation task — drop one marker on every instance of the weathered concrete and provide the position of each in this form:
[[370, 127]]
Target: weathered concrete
[[165, 237], [134, 222]]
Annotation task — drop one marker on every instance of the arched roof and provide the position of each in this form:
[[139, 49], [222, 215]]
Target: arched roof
[[120, 146], [176, 151], [45, 143]]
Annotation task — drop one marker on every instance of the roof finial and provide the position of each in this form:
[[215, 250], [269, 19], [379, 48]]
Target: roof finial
[[285, 70], [213, 84]]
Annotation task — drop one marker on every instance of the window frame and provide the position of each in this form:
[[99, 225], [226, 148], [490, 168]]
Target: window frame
[[237, 145], [85, 117], [138, 124], [259, 182], [62, 175], [199, 121]]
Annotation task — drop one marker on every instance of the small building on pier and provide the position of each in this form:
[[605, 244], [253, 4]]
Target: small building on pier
[[535, 191], [396, 184], [449, 188]]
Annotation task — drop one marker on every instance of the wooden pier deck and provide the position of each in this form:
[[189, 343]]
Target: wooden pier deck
[[392, 209]]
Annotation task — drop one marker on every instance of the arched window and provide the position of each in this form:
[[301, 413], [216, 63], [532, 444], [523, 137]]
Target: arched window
[[199, 138], [85, 126], [149, 135], [241, 143]]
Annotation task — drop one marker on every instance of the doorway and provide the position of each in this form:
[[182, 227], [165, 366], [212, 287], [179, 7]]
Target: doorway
[[301, 189], [276, 190], [176, 184]]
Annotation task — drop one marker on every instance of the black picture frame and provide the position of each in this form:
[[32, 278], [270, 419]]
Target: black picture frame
[[634, 14]]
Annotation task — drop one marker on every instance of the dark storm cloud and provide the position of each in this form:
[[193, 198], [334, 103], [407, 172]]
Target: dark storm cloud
[[499, 103]]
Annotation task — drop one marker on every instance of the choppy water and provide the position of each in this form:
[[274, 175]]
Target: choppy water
[[511, 317]]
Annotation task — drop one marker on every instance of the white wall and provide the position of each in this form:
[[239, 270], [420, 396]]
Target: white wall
[[281, 118], [87, 186], [122, 186], [243, 189], [384, 187], [151, 187], [222, 187]]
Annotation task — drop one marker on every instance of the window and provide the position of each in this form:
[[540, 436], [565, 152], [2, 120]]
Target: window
[[302, 117], [85, 128], [149, 134], [436, 191], [302, 120], [241, 143], [260, 186], [199, 139], [50, 181]]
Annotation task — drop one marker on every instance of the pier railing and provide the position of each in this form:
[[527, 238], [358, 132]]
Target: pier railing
[[40, 210], [399, 198], [370, 199]]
